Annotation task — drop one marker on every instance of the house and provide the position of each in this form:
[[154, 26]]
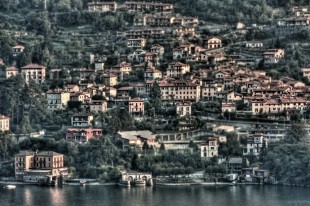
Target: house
[[72, 88], [184, 109], [34, 72], [184, 31], [82, 135], [109, 79], [54, 73], [136, 138], [152, 73], [277, 105], [140, 89], [57, 99], [232, 96], [136, 43], [11, 72], [102, 6], [136, 107], [98, 106], [145, 33], [273, 56], [17, 50], [81, 120], [44, 167], [1, 62], [99, 66], [110, 92], [158, 49], [124, 68], [306, 72], [133, 6], [254, 144], [237, 163], [228, 106], [155, 20], [209, 149], [125, 92], [179, 90], [177, 69], [185, 21], [214, 43], [253, 44], [296, 84], [79, 97], [4, 123]]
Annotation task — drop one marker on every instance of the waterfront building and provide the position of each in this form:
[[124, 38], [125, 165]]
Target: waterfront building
[[45, 167]]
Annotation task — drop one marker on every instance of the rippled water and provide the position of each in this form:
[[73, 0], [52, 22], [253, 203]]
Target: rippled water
[[252, 195]]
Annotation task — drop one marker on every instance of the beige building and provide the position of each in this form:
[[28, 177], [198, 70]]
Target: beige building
[[209, 149], [57, 99], [277, 105], [273, 56], [40, 167], [179, 90], [148, 6], [35, 72], [123, 67], [151, 74], [136, 138], [102, 6], [214, 43], [145, 33], [184, 109], [184, 31], [136, 43], [228, 106], [110, 79], [177, 69], [98, 106], [4, 123], [11, 72]]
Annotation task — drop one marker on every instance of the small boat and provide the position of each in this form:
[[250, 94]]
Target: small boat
[[233, 183], [82, 183], [10, 187]]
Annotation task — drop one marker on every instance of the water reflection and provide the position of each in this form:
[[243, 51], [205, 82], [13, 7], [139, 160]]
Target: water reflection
[[155, 196]]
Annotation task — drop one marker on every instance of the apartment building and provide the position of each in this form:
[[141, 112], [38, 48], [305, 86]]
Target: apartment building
[[102, 6], [34, 72], [177, 69], [57, 99]]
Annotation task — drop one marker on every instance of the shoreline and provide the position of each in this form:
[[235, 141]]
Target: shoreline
[[156, 184]]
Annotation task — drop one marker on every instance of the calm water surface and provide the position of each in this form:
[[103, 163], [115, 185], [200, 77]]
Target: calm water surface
[[155, 196]]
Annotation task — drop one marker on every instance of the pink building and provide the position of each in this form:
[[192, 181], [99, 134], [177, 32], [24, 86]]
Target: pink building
[[82, 135]]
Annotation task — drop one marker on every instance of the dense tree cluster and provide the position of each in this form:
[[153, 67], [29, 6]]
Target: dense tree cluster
[[289, 161], [25, 104]]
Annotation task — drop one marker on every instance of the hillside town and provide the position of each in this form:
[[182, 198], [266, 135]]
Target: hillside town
[[160, 83]]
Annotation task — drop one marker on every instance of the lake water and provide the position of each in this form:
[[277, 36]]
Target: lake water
[[247, 195]]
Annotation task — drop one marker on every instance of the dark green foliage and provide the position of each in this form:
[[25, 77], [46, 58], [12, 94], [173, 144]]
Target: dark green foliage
[[289, 160], [23, 103]]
